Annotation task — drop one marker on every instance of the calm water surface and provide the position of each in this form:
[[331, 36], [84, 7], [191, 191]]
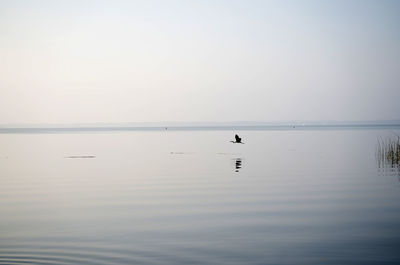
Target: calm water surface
[[192, 197]]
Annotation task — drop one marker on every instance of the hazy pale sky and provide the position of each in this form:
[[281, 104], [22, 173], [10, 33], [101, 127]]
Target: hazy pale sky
[[127, 61]]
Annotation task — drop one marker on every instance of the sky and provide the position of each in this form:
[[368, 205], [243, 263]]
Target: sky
[[149, 61]]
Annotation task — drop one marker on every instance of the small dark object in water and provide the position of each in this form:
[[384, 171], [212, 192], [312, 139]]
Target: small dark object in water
[[238, 140]]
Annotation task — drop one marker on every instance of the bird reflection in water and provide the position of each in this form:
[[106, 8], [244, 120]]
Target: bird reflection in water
[[238, 164]]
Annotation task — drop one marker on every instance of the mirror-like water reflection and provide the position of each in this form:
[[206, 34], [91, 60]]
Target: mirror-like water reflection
[[181, 197], [238, 164]]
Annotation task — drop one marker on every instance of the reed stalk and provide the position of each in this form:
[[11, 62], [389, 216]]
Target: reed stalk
[[388, 151]]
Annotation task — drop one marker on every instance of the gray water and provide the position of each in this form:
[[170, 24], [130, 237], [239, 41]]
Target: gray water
[[192, 197]]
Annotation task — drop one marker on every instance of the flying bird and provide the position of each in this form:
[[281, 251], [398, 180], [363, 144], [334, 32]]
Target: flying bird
[[238, 140]]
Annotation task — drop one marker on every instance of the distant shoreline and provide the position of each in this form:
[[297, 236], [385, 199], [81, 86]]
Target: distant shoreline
[[286, 127]]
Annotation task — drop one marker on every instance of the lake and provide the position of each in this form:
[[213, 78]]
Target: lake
[[316, 196]]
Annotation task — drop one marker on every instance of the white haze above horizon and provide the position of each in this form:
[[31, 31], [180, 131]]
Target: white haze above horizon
[[141, 61]]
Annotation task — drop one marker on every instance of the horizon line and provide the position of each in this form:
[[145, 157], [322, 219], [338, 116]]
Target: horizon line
[[209, 127], [174, 123]]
